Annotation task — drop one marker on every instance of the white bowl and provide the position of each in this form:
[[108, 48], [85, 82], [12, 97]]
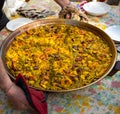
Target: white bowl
[[96, 8]]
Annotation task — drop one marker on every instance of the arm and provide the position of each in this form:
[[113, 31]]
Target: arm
[[62, 3], [5, 82], [14, 93]]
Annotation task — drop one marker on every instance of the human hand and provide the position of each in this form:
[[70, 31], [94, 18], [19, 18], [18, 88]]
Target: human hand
[[17, 97], [72, 12], [14, 93]]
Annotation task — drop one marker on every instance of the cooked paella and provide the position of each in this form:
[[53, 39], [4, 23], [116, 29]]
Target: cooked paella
[[58, 57]]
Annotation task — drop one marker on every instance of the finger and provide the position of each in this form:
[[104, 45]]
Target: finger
[[32, 110], [67, 16], [23, 107]]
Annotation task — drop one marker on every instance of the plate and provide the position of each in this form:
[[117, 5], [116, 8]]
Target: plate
[[114, 32], [16, 23], [96, 8]]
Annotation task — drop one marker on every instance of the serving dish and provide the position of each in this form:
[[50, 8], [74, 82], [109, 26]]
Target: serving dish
[[96, 8], [75, 23]]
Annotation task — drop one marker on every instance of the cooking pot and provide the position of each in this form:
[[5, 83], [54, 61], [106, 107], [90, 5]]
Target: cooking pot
[[113, 65]]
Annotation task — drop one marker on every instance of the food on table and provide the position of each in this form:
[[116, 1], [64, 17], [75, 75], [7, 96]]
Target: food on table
[[58, 57]]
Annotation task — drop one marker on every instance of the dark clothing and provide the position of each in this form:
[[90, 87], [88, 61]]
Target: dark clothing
[[3, 18], [113, 2], [3, 21], [1, 6]]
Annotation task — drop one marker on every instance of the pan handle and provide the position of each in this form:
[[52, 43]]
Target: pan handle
[[115, 68]]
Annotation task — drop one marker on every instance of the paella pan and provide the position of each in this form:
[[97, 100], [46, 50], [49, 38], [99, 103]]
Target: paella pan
[[59, 55]]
